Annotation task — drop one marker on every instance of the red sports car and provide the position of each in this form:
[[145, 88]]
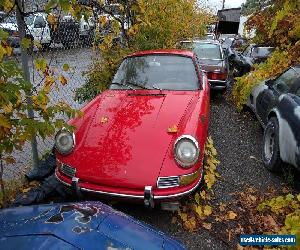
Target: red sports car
[[143, 139]]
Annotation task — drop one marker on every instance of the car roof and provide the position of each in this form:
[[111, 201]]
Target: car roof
[[201, 41], [179, 52]]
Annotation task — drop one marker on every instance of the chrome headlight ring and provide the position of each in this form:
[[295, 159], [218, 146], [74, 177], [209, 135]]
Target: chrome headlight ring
[[186, 151], [64, 141]]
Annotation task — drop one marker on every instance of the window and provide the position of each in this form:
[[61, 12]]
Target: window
[[39, 22], [262, 51], [285, 82], [29, 20], [208, 51], [169, 72]]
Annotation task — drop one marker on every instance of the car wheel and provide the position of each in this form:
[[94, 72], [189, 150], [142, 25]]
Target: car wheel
[[271, 151]]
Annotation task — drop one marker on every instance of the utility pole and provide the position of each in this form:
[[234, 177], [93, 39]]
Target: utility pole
[[223, 4], [25, 67]]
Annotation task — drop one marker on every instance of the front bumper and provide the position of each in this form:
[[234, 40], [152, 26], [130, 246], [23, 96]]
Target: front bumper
[[217, 84], [173, 193]]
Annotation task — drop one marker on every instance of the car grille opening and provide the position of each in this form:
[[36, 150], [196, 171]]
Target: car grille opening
[[67, 170], [167, 182]]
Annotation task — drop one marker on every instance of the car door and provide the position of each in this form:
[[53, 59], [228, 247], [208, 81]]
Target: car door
[[269, 97]]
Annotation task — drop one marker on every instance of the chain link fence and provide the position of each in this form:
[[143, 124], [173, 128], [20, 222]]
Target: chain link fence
[[62, 41]]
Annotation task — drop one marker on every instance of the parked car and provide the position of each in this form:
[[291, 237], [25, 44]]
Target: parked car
[[37, 29], [84, 225], [9, 24], [212, 60], [143, 139], [253, 54], [210, 36], [276, 103]]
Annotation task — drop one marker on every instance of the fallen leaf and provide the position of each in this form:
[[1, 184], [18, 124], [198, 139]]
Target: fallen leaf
[[173, 129], [104, 119], [26, 190], [207, 210], [231, 215], [222, 207], [207, 225]]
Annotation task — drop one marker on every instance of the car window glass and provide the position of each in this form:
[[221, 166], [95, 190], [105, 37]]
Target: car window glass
[[167, 72], [284, 82], [39, 22], [29, 20], [262, 51], [208, 51], [10, 19]]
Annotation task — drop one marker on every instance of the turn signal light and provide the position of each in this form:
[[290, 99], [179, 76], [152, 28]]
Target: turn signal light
[[217, 76]]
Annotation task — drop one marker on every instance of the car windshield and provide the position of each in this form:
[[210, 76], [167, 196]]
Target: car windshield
[[168, 72], [29, 20], [208, 51], [10, 19], [262, 51]]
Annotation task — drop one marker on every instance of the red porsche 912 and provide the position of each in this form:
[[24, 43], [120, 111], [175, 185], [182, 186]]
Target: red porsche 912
[[142, 139]]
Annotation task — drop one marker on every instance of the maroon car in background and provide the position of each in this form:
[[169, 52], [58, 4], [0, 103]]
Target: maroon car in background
[[212, 60]]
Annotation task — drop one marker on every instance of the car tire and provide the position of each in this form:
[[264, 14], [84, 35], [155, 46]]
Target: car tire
[[270, 149]]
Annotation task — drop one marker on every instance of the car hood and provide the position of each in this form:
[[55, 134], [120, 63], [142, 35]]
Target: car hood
[[84, 225], [123, 138], [212, 65]]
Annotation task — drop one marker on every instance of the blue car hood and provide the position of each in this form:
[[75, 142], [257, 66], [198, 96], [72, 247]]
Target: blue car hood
[[85, 225]]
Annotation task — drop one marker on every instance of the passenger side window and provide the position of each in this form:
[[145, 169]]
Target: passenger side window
[[39, 22], [284, 83]]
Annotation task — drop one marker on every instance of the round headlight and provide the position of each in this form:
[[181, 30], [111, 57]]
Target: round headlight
[[64, 142], [186, 150]]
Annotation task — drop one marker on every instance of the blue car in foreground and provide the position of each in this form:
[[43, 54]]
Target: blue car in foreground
[[84, 225]]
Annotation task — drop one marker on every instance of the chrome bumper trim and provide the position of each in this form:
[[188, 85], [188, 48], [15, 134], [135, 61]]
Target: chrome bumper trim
[[155, 197]]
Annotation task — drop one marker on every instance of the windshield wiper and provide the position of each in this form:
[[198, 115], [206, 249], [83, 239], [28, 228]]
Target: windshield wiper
[[122, 84], [137, 85]]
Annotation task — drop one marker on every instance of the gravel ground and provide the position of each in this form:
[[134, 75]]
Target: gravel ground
[[237, 138]]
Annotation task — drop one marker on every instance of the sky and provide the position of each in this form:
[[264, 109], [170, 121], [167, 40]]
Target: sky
[[217, 4]]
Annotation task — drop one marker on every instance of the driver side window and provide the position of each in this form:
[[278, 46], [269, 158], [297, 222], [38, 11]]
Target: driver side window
[[284, 82]]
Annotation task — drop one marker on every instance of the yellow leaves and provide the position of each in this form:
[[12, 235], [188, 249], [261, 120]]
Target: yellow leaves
[[26, 190], [197, 198], [4, 122], [9, 160], [173, 129], [207, 210], [26, 43], [51, 19], [231, 215], [133, 30], [102, 21], [4, 50], [49, 81], [62, 80], [7, 5], [8, 108]]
